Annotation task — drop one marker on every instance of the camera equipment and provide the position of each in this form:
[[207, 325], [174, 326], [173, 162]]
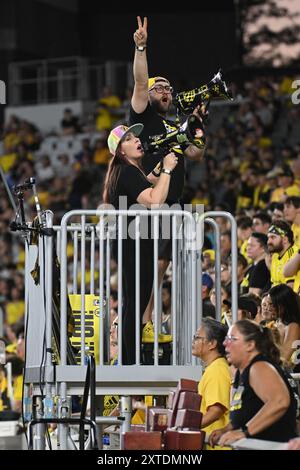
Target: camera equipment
[[185, 134], [186, 101]]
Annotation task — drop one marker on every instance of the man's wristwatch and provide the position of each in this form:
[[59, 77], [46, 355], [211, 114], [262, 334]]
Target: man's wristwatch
[[246, 431], [165, 170], [140, 48]]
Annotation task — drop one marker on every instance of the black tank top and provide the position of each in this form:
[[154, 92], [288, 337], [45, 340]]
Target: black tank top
[[245, 404]]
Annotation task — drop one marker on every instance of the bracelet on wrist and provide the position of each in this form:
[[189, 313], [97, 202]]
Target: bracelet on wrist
[[155, 174], [165, 170], [140, 48], [246, 431]]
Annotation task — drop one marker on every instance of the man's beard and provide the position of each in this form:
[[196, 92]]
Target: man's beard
[[159, 108], [276, 249]]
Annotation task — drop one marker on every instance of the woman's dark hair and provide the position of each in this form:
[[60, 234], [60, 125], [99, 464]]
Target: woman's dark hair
[[286, 303], [215, 330], [113, 173], [262, 337]]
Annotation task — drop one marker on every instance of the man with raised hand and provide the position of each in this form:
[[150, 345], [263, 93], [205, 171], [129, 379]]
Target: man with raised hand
[[151, 101]]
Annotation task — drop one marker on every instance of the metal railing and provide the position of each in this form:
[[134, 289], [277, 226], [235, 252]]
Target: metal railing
[[90, 251]]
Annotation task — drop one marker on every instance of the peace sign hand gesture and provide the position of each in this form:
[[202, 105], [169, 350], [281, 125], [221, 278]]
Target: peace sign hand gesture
[[140, 36]]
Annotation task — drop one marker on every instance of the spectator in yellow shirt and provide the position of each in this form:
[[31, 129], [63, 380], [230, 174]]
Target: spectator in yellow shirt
[[291, 213], [281, 247], [285, 185], [214, 386]]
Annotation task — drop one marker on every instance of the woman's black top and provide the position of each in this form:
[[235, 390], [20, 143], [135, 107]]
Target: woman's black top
[[131, 183], [245, 404]]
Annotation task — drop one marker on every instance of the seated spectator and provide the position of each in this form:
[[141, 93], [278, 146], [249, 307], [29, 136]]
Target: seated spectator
[[285, 185], [107, 107], [291, 212], [282, 248], [44, 169], [244, 231], [287, 307], [166, 320], [225, 245], [247, 308], [85, 154], [276, 210], [101, 154], [242, 267], [208, 261], [207, 285], [257, 277], [69, 123], [214, 385], [64, 166], [263, 405], [261, 222], [268, 311]]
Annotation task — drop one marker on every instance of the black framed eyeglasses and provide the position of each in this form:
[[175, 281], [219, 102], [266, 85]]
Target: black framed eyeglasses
[[162, 89]]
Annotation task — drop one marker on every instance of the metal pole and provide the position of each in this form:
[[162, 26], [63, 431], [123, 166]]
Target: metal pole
[[234, 256], [75, 262], [137, 292], [216, 228], [120, 291], [174, 290], [82, 288], [92, 262], [125, 411], [155, 286], [48, 275], [101, 290]]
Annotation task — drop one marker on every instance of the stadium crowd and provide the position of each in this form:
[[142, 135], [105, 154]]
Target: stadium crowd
[[251, 169]]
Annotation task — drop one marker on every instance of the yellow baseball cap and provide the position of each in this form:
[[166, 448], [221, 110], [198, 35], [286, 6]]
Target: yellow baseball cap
[[153, 80], [210, 253]]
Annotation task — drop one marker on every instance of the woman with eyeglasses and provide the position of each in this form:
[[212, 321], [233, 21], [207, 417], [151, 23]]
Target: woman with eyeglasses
[[214, 386], [263, 404], [126, 178]]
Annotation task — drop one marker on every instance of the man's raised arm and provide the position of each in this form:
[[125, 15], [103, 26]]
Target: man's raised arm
[[139, 99]]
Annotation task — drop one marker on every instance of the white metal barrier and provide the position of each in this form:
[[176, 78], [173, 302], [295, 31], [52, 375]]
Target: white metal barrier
[[90, 243]]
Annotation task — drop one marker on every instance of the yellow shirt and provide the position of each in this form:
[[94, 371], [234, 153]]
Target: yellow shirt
[[18, 387], [214, 387], [296, 232], [277, 265], [15, 311], [278, 193]]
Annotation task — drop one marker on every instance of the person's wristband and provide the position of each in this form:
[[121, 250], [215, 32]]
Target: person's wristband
[[246, 431], [140, 48], [155, 174], [165, 170]]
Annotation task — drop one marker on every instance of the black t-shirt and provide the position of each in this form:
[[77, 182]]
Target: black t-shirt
[[245, 404], [131, 183], [259, 276], [154, 124]]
